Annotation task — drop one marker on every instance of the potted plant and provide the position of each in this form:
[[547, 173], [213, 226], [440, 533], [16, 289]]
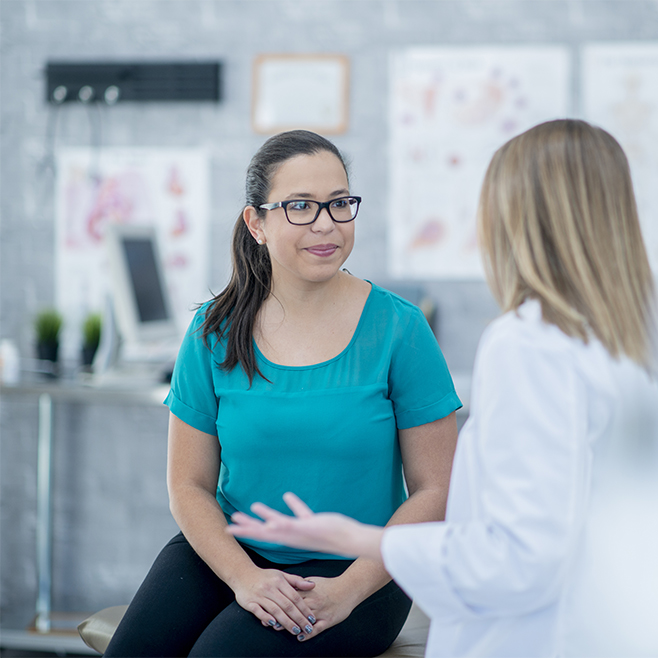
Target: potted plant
[[91, 336], [47, 325]]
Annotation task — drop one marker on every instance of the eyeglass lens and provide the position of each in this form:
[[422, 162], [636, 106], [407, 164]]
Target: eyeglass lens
[[306, 212]]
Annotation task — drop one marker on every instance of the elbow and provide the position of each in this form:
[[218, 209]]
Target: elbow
[[174, 504], [534, 584], [181, 498], [172, 491], [187, 498], [541, 562], [433, 501], [518, 577]]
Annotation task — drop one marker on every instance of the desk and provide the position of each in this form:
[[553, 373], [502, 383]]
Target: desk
[[49, 393]]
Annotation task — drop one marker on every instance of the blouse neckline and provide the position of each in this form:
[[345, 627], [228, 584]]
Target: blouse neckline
[[260, 356]]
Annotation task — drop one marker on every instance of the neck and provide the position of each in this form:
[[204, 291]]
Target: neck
[[303, 299]]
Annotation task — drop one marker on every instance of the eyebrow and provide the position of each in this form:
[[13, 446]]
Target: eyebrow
[[306, 195]]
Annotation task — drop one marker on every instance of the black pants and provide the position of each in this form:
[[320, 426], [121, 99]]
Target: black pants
[[183, 609]]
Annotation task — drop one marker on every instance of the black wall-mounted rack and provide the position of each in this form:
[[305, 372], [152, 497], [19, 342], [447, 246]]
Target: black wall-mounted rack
[[113, 82]]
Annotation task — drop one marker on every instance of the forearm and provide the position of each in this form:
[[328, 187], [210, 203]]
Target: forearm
[[422, 506], [202, 521]]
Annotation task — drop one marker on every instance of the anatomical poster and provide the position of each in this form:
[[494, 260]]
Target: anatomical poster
[[164, 188], [450, 109]]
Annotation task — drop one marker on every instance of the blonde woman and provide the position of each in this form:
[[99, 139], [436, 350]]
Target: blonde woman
[[550, 540]]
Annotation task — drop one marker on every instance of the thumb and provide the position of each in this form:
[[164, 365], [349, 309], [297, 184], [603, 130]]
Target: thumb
[[298, 582]]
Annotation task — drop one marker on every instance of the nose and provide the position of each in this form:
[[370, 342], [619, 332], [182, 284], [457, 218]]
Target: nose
[[324, 222]]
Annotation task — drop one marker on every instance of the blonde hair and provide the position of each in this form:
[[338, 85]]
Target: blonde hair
[[558, 222]]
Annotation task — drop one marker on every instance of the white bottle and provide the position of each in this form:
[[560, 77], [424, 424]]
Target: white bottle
[[10, 367]]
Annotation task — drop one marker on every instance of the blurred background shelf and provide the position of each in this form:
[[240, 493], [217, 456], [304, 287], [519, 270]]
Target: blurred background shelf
[[15, 643]]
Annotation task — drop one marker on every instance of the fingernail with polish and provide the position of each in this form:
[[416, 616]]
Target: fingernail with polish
[[296, 630], [271, 622], [301, 638], [312, 619], [277, 626], [308, 628]]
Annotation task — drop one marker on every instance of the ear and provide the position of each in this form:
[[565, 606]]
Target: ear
[[254, 223]]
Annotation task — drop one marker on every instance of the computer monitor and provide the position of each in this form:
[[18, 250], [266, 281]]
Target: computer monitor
[[139, 293]]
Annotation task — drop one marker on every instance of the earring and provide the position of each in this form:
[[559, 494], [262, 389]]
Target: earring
[[259, 241]]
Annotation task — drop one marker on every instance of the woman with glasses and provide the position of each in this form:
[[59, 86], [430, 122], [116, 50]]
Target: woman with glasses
[[296, 375], [551, 535]]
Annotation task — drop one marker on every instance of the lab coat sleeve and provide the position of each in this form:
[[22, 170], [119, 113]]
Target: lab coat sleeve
[[527, 439]]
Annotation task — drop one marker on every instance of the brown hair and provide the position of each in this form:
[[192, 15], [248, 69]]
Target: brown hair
[[558, 222], [232, 313]]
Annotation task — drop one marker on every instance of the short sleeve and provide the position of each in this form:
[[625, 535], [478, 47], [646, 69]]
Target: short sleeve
[[420, 384], [192, 396]]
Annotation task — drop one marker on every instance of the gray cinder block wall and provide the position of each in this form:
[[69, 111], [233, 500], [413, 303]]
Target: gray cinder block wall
[[110, 506]]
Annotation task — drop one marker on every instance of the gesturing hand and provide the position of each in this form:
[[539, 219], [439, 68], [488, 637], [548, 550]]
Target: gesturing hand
[[321, 532], [273, 597], [325, 532]]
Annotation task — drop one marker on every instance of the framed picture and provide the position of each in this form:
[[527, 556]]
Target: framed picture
[[308, 92]]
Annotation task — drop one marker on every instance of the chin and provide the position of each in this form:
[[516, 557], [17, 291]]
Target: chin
[[319, 278], [322, 274]]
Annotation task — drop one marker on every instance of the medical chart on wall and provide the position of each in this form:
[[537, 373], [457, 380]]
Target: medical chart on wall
[[450, 109], [165, 188], [620, 94]]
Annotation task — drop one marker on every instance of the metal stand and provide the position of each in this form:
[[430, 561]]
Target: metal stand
[[122, 393], [44, 514]]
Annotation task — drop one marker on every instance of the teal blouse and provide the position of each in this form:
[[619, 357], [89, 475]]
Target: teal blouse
[[327, 431]]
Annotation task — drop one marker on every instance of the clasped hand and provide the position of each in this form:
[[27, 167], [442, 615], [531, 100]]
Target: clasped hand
[[322, 601], [286, 601], [275, 598], [330, 602]]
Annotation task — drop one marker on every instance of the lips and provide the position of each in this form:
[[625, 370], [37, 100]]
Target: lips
[[322, 250]]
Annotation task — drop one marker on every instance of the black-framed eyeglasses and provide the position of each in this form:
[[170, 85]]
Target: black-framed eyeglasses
[[305, 211]]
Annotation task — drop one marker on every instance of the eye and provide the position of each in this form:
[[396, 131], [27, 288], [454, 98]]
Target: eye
[[340, 204], [299, 206]]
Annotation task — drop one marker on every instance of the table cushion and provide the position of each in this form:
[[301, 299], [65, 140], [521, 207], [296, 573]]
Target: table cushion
[[97, 630]]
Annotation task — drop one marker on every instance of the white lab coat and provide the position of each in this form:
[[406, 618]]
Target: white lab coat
[[550, 545]]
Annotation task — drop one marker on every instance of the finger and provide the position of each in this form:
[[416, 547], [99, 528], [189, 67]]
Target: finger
[[288, 617], [297, 505], [268, 613], [295, 614], [236, 530], [267, 513], [244, 519], [298, 582], [244, 525], [320, 626], [240, 530], [300, 604], [266, 619]]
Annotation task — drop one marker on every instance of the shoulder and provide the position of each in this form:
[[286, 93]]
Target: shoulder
[[385, 302], [520, 353], [195, 328], [195, 335], [524, 329], [522, 342], [202, 311]]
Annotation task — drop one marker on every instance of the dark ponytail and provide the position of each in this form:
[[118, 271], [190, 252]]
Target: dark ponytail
[[232, 314]]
